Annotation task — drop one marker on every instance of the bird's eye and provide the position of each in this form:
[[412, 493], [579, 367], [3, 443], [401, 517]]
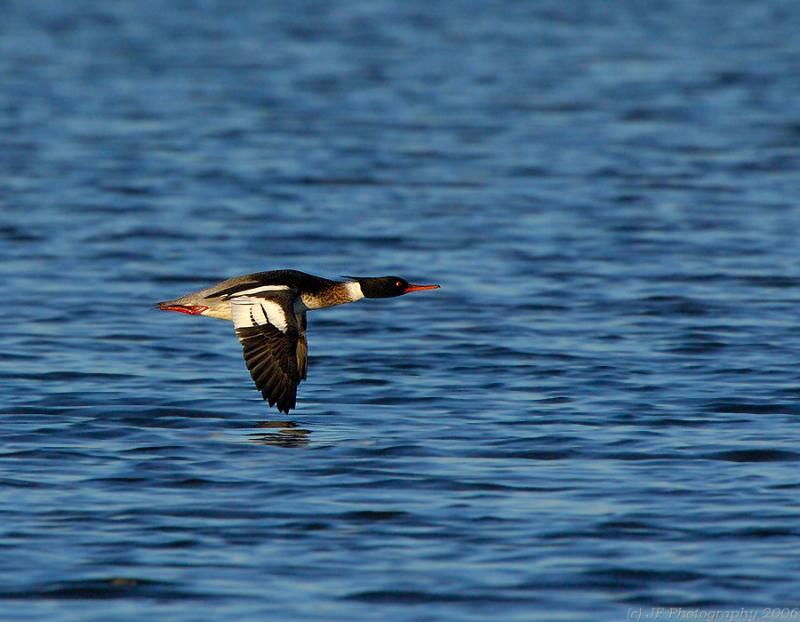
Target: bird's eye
[[398, 284]]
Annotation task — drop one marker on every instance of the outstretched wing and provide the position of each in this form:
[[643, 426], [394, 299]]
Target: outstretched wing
[[274, 344]]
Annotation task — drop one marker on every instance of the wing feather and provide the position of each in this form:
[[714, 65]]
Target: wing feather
[[273, 344]]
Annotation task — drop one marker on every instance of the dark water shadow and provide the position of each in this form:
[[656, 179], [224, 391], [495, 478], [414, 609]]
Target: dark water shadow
[[286, 434]]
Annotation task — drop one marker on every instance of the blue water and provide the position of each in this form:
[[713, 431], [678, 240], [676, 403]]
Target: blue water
[[598, 412]]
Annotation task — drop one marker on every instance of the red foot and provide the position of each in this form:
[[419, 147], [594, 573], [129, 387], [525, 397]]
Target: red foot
[[186, 310]]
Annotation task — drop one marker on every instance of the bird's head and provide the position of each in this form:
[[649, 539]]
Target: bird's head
[[387, 286]]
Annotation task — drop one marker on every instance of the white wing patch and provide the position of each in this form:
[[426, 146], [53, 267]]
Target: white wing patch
[[246, 312], [263, 288]]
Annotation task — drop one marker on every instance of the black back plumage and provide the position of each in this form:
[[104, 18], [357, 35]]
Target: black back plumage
[[294, 279]]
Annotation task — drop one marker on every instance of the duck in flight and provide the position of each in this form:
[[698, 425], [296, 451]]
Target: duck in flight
[[268, 311]]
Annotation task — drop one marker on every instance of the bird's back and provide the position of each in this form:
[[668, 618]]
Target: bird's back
[[216, 298]]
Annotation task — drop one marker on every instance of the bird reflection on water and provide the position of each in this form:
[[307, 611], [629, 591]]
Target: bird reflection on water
[[286, 434]]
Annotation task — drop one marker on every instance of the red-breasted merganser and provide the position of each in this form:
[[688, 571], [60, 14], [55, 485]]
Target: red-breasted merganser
[[268, 311]]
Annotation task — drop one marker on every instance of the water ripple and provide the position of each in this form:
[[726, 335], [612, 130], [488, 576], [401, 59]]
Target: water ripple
[[597, 411]]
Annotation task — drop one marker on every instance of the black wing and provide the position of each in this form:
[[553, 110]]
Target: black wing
[[274, 344], [302, 344]]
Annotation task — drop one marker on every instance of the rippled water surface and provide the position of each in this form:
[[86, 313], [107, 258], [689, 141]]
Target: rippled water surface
[[599, 409]]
